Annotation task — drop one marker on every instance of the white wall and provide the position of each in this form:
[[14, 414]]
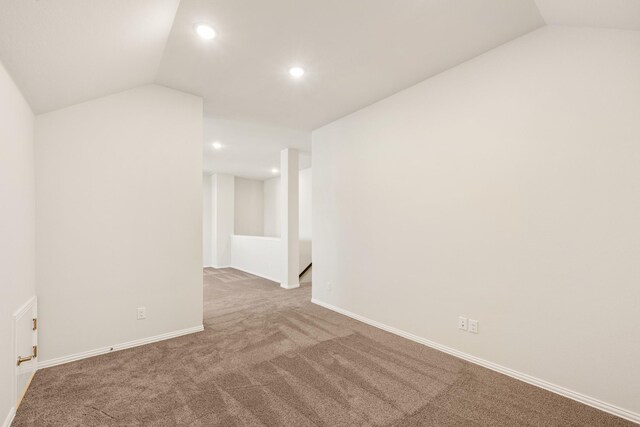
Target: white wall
[[305, 254], [289, 212], [249, 201], [257, 255], [207, 230], [260, 255], [272, 205], [119, 197], [504, 190], [222, 218], [304, 207], [17, 224]]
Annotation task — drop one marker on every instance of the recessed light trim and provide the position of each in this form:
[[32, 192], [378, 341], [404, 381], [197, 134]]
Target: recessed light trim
[[205, 31], [275, 170], [296, 72], [217, 145]]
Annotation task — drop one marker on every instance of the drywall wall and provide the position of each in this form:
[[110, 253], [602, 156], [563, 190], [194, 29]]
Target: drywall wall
[[305, 254], [272, 205], [260, 255], [289, 228], [222, 218], [17, 225], [503, 190], [257, 255], [304, 200], [207, 229], [119, 219], [249, 218]]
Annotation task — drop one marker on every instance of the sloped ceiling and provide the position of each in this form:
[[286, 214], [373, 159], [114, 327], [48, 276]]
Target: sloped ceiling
[[355, 52], [62, 52]]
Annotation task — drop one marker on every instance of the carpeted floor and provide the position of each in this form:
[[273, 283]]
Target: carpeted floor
[[270, 357]]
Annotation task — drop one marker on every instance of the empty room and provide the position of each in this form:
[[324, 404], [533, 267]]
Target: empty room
[[319, 213]]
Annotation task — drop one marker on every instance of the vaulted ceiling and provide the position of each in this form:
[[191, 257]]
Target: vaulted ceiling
[[355, 52], [62, 52]]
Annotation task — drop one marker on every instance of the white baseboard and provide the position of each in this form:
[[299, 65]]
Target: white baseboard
[[598, 404], [221, 266], [255, 274], [10, 416], [103, 350], [297, 285]]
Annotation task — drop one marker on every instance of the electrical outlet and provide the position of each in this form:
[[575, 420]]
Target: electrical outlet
[[473, 326], [329, 287], [462, 323], [142, 313]]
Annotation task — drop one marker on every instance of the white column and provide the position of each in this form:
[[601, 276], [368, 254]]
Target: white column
[[289, 218], [222, 218], [207, 221]]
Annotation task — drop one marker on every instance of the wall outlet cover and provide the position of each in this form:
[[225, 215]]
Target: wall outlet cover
[[462, 323], [473, 326]]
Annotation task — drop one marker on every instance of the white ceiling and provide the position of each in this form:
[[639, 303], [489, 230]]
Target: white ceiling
[[355, 52], [62, 52], [251, 150], [618, 14]]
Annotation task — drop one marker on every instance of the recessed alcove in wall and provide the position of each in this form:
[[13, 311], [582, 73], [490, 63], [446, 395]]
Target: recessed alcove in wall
[[256, 206]]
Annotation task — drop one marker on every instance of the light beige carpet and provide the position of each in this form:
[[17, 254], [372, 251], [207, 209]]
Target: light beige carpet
[[270, 357]]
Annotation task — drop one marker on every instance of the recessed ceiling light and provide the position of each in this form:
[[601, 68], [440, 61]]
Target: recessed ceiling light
[[296, 72], [274, 170], [206, 31], [217, 145]]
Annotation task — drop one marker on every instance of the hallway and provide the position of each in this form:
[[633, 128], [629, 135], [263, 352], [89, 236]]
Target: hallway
[[270, 357]]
